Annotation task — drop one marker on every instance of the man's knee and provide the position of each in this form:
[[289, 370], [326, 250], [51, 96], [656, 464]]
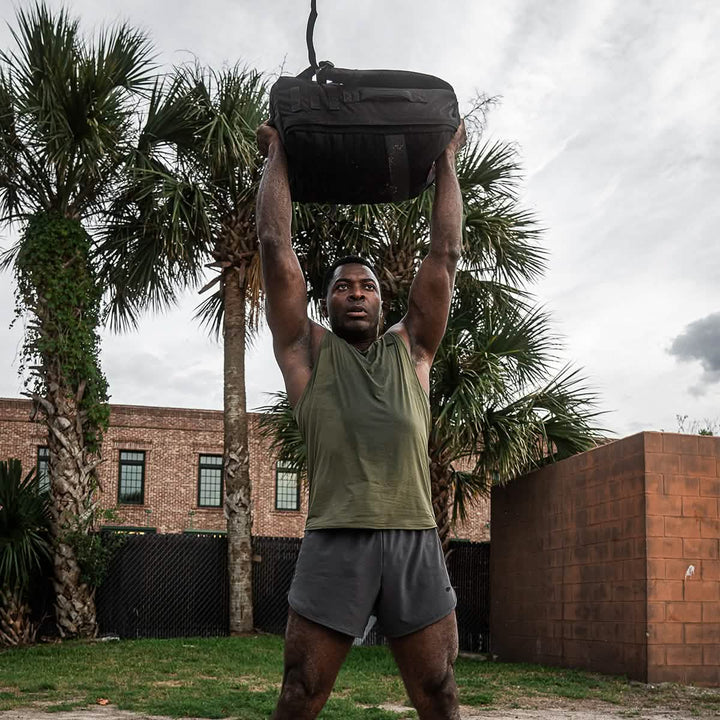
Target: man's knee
[[441, 686], [302, 689], [440, 692]]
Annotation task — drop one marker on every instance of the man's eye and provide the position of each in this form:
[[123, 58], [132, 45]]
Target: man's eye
[[370, 286]]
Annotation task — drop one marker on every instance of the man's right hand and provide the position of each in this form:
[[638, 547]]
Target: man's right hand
[[267, 136]]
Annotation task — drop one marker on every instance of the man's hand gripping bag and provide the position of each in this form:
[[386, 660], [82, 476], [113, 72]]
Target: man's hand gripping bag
[[360, 136]]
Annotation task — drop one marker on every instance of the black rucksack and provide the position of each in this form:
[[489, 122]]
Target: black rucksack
[[361, 136]]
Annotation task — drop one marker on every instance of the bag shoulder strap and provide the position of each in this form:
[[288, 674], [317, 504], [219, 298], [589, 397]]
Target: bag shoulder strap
[[309, 35], [310, 72]]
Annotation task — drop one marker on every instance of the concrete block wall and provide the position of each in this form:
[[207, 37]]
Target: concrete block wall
[[683, 558], [610, 561], [567, 570]]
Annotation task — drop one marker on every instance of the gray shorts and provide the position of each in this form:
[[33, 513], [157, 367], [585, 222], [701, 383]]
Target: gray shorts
[[344, 576]]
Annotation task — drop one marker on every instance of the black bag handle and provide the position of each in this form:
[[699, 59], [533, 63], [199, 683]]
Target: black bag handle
[[309, 36], [327, 72]]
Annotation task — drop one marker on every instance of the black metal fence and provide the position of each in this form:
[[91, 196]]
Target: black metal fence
[[273, 570], [176, 585], [166, 586]]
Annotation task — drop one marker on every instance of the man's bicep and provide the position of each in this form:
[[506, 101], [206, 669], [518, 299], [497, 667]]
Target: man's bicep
[[285, 295], [429, 303]]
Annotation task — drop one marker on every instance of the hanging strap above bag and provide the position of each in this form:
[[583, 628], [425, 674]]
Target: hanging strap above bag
[[360, 136]]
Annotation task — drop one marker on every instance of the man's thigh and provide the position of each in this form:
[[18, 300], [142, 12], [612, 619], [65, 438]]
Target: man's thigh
[[315, 652], [426, 660], [313, 657]]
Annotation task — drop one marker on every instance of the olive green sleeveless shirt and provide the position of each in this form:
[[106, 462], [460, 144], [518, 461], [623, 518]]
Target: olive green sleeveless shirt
[[365, 419]]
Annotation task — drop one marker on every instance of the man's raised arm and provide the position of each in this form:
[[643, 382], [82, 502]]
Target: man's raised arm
[[431, 291], [285, 289]]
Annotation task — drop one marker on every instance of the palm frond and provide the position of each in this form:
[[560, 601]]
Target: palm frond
[[277, 423], [210, 313], [467, 489], [24, 525], [73, 105]]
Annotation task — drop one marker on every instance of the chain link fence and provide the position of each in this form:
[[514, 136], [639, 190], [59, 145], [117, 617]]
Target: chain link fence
[[177, 586], [165, 586]]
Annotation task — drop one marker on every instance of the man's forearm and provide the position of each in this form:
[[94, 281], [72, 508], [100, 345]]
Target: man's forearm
[[447, 211], [274, 206]]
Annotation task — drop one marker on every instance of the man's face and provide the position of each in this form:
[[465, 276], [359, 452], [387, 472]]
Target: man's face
[[353, 303]]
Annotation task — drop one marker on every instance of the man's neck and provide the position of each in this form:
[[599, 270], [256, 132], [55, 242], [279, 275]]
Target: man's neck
[[361, 344]]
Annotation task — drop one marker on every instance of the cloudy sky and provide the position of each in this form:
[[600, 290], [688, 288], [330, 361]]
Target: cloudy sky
[[614, 107]]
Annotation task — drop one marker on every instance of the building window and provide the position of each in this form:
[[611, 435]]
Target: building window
[[43, 469], [210, 481], [287, 487], [131, 487]]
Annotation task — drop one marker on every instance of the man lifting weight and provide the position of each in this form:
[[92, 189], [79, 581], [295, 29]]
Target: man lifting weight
[[361, 401]]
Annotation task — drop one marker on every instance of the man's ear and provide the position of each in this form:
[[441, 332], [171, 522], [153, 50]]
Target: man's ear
[[323, 308]]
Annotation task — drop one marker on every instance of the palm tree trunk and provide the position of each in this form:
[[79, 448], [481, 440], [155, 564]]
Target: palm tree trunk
[[58, 285], [72, 477], [238, 509], [440, 483]]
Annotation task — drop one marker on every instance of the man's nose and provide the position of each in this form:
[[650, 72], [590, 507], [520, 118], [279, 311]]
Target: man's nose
[[356, 293]]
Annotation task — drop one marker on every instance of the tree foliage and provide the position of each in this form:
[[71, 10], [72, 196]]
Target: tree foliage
[[24, 526], [70, 121], [25, 549], [57, 285]]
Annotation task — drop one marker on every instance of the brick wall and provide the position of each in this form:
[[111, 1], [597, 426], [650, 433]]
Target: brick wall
[[173, 440], [568, 563], [683, 543], [590, 558]]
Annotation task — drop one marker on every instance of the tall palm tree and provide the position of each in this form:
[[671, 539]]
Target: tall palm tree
[[191, 202], [498, 405], [24, 548], [68, 119]]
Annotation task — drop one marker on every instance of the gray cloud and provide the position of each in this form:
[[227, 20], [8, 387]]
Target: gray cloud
[[701, 341]]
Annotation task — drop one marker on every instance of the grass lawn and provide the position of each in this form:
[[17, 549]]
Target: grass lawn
[[240, 677]]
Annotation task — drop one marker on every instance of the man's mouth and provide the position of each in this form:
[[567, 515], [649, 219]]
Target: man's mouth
[[356, 312]]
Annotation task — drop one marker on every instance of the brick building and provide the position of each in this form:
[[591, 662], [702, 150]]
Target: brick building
[[162, 471]]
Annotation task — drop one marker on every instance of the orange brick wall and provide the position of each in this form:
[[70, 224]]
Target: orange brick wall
[[173, 439], [683, 549], [590, 561], [568, 563]]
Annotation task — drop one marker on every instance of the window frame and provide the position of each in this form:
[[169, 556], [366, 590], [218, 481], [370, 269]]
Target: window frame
[[285, 467], [202, 467], [133, 463], [46, 461]]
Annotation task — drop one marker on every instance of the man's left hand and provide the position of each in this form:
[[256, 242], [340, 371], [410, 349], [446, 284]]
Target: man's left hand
[[458, 140]]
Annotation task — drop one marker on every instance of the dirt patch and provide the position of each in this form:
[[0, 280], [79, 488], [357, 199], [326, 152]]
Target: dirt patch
[[580, 710]]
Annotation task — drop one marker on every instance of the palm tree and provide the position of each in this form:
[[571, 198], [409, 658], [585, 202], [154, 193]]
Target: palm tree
[[498, 406], [191, 201], [24, 548], [68, 119]]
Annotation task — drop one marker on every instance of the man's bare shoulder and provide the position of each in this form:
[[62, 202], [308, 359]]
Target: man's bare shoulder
[[416, 354]]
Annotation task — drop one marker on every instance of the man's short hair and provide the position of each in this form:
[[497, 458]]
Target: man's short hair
[[346, 260]]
